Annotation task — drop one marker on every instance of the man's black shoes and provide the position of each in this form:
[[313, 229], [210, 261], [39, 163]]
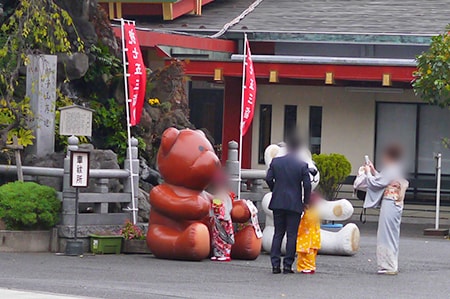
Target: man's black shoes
[[276, 270]]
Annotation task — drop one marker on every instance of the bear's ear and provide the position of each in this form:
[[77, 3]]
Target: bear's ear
[[201, 132], [305, 154], [271, 152], [168, 139]]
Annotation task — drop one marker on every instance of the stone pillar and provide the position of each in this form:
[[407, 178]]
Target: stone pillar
[[41, 89], [232, 165], [257, 186], [102, 187], [67, 223], [68, 203]]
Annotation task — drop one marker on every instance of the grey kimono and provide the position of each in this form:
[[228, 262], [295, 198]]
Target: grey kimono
[[387, 190]]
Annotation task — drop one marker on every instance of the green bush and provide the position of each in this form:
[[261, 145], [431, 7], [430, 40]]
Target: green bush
[[334, 169], [28, 206]]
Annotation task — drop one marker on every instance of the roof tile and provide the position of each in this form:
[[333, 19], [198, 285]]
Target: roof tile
[[351, 16]]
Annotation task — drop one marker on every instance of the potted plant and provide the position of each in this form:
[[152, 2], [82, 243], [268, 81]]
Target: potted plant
[[334, 169], [133, 239], [28, 211], [105, 243]]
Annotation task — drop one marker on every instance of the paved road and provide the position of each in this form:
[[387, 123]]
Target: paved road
[[15, 294], [424, 266]]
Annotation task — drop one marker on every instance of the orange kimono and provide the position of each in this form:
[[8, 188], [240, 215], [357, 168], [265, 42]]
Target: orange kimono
[[308, 241]]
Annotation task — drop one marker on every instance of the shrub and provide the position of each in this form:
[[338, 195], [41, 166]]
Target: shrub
[[28, 206], [334, 169]]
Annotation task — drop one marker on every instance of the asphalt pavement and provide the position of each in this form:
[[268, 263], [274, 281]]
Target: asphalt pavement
[[16, 294], [424, 273]]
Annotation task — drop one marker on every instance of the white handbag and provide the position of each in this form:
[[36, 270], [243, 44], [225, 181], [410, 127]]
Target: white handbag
[[360, 182]]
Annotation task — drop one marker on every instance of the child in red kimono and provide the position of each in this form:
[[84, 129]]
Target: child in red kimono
[[308, 239], [222, 229], [222, 225]]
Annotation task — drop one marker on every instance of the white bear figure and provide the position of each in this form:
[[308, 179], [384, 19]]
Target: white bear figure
[[343, 242], [279, 150], [269, 229], [338, 210]]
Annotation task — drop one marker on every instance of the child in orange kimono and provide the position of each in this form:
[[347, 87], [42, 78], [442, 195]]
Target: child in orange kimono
[[308, 240]]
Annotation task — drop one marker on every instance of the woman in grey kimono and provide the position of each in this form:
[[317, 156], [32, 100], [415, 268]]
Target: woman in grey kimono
[[386, 189]]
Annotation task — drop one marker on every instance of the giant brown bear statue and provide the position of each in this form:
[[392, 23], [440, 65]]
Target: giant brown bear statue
[[247, 246], [180, 206]]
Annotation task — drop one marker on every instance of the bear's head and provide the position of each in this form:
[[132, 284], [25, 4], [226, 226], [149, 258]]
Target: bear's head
[[278, 150], [186, 158]]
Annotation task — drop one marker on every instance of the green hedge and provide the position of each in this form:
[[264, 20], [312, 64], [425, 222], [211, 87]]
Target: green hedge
[[28, 206], [334, 169]]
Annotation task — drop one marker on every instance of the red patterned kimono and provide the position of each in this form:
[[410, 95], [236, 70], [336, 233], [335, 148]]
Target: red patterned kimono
[[222, 229]]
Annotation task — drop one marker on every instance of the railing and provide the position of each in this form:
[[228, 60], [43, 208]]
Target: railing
[[97, 206], [33, 171], [59, 172], [252, 180], [421, 190]]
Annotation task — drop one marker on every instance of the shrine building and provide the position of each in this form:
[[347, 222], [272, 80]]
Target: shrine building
[[340, 71]]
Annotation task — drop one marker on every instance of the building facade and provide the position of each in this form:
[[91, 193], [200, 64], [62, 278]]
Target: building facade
[[340, 72]]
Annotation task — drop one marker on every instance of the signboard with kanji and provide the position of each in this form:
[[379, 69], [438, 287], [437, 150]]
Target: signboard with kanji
[[79, 169], [75, 120]]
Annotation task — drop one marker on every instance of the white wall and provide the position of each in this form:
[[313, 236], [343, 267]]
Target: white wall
[[348, 118]]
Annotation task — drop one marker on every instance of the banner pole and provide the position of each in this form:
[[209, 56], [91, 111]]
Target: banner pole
[[438, 188], [242, 116], [127, 109]]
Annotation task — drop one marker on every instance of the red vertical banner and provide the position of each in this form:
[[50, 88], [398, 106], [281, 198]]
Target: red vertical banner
[[137, 78], [249, 97]]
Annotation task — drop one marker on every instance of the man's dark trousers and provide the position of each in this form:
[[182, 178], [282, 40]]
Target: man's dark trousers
[[284, 222]]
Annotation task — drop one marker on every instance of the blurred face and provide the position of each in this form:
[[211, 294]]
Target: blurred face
[[220, 182], [387, 160]]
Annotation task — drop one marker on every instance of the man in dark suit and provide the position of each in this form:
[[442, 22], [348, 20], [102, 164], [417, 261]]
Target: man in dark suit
[[287, 178]]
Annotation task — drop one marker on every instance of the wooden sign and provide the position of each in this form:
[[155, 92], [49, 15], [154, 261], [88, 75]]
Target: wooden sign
[[79, 169], [75, 120]]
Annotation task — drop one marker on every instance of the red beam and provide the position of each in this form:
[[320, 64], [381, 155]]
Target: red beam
[[135, 9], [303, 71], [140, 9], [181, 8], [262, 48], [152, 39], [231, 120], [169, 10]]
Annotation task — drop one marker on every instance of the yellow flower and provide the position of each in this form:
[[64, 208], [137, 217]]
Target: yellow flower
[[154, 102], [428, 72]]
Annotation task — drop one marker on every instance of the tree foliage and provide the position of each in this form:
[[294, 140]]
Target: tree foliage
[[334, 169], [34, 27], [110, 125], [432, 78]]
